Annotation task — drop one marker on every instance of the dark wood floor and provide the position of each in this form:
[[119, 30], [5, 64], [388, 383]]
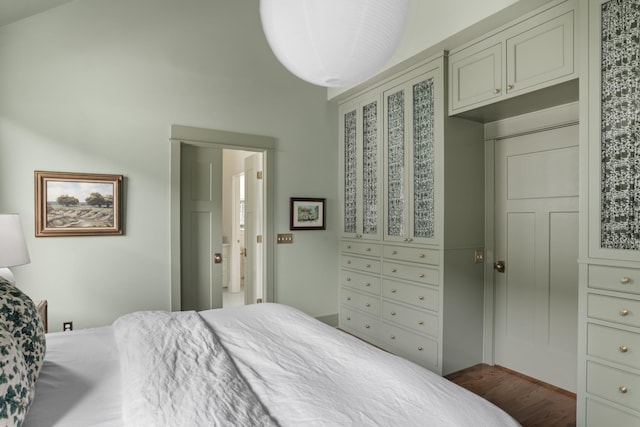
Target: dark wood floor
[[531, 402]]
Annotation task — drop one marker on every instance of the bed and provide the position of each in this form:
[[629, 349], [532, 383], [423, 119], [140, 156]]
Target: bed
[[258, 365]]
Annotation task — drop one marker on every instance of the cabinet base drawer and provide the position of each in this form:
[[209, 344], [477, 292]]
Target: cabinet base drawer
[[599, 414], [613, 384], [612, 344], [362, 302], [361, 248], [614, 278], [418, 320], [361, 281], [618, 310], [359, 324], [415, 347], [422, 296]]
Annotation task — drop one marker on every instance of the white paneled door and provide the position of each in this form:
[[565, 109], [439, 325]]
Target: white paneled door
[[201, 227], [536, 237], [254, 233]]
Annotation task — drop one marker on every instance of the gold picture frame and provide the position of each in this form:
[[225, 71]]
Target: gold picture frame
[[77, 204]]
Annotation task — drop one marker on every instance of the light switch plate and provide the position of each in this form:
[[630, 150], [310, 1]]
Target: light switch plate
[[285, 238], [479, 256]]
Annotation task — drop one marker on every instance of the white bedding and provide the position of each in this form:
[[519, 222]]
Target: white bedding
[[304, 372]]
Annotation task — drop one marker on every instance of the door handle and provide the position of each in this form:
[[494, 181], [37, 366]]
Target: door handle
[[499, 266]]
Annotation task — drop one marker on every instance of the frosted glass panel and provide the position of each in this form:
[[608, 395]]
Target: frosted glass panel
[[620, 138], [395, 164], [350, 165], [370, 167], [423, 159]]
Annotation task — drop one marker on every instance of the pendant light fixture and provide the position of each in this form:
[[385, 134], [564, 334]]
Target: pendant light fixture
[[333, 42]]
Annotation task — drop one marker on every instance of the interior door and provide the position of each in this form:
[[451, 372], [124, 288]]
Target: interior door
[[201, 223], [254, 231], [536, 311]]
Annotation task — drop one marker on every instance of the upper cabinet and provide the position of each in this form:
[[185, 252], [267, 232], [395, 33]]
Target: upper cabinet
[[360, 161], [529, 55]]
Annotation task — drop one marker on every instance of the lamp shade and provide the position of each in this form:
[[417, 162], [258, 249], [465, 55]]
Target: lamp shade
[[333, 42], [13, 248]]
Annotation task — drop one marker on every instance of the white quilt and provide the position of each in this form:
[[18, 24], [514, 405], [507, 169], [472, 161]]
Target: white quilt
[[175, 372]]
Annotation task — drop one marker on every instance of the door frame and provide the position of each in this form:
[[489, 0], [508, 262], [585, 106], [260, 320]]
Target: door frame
[[539, 121], [229, 140]]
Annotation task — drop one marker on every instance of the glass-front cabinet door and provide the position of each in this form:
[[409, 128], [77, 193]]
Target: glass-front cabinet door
[[360, 161], [410, 161], [614, 130]]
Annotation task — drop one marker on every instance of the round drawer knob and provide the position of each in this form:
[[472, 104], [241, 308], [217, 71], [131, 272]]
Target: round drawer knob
[[393, 313], [624, 312], [367, 284], [509, 87], [367, 326], [348, 246], [496, 91], [348, 317], [421, 275], [393, 337], [393, 270], [393, 291], [420, 348], [422, 255], [348, 279], [623, 349], [368, 265], [348, 262], [420, 322], [348, 298], [394, 252], [625, 280], [623, 389], [367, 305], [420, 298], [368, 249]]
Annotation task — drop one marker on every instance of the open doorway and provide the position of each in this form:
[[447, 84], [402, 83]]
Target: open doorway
[[210, 259]]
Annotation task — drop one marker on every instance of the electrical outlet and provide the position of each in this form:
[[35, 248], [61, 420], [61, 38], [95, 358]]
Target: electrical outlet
[[67, 326]]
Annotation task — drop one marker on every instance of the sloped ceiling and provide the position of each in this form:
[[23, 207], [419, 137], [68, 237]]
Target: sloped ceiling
[[15, 10]]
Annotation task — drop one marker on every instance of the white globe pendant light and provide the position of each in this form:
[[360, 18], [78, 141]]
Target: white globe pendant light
[[333, 42]]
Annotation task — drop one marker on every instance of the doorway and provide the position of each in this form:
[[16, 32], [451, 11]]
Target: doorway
[[212, 252], [534, 245]]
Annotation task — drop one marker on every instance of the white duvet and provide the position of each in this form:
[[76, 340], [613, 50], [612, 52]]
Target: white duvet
[[297, 370]]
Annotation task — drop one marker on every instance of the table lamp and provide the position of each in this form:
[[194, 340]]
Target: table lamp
[[13, 248]]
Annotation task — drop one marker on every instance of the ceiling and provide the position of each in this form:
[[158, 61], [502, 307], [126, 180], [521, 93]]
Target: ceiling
[[15, 10]]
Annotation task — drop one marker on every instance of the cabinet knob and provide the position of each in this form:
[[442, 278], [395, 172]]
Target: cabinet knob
[[420, 322], [623, 389], [368, 249], [394, 252], [422, 255], [393, 337], [367, 284], [496, 91], [367, 305], [367, 326], [393, 270], [624, 312], [421, 275], [348, 262], [348, 246], [348, 317], [509, 87], [623, 349], [421, 298], [393, 313], [625, 280], [368, 265], [393, 291], [420, 348], [348, 279]]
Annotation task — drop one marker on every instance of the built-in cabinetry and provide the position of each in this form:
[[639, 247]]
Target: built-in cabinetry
[[526, 55], [408, 281], [609, 341]]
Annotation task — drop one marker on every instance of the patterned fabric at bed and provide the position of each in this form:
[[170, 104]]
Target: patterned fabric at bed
[[19, 316], [16, 386]]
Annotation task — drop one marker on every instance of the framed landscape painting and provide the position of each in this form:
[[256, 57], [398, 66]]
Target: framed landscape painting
[[77, 204], [307, 214]]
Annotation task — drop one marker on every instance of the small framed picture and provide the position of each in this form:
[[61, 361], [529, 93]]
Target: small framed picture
[[77, 204], [307, 213]]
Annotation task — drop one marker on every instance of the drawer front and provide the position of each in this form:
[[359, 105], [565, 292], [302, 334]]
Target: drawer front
[[417, 348], [361, 248], [427, 276], [619, 310], [614, 279], [359, 324], [613, 384], [422, 296], [363, 264], [360, 281], [417, 320], [366, 303], [612, 344], [599, 414], [423, 256]]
